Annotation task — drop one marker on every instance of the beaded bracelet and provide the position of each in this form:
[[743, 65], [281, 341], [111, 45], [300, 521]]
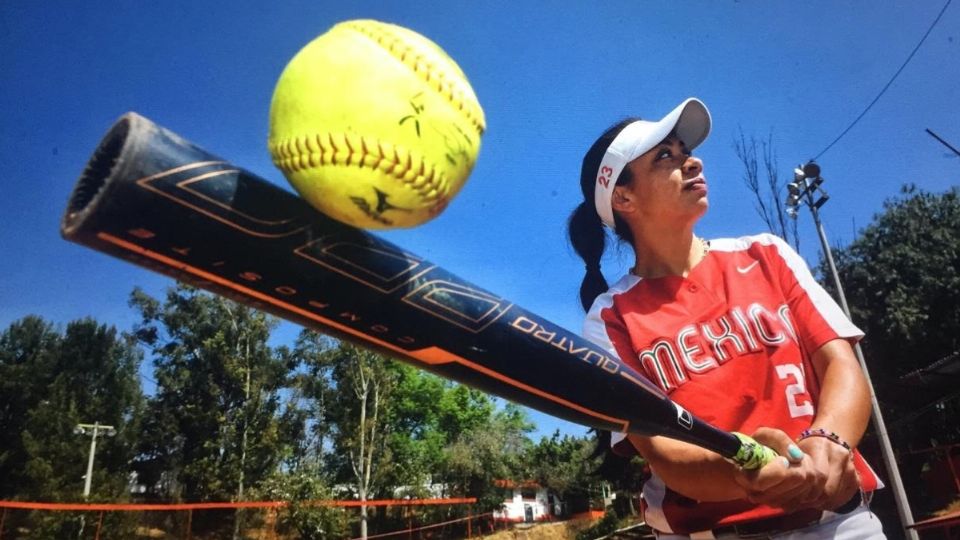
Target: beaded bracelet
[[807, 433]]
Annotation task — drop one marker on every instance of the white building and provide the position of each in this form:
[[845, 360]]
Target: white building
[[526, 502]]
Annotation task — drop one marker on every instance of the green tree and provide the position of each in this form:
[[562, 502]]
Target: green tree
[[302, 488], [388, 429], [89, 374], [214, 426], [426, 414], [901, 276], [564, 465], [313, 396], [490, 451], [416, 439], [625, 471], [28, 356], [364, 381]]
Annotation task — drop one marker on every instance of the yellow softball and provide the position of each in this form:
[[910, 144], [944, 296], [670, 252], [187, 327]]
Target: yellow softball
[[374, 125]]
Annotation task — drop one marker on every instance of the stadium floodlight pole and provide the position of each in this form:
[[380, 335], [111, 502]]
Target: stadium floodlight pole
[[806, 188], [94, 430]]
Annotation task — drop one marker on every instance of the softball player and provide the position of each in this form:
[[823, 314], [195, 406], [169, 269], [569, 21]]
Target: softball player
[[738, 332]]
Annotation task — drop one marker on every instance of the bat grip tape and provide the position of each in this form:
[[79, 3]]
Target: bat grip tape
[[752, 455]]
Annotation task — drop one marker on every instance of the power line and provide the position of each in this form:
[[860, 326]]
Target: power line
[[895, 75], [943, 142]]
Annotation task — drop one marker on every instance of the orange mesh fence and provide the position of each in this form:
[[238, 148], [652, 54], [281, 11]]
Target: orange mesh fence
[[251, 520], [116, 507]]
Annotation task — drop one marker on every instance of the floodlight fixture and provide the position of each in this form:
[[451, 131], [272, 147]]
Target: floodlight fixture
[[811, 169]]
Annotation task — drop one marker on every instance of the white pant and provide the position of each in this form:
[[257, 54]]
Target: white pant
[[861, 524]]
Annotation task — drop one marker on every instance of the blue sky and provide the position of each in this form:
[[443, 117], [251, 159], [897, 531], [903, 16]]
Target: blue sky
[[550, 75]]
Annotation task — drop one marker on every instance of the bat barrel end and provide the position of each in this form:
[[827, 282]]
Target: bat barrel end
[[103, 164]]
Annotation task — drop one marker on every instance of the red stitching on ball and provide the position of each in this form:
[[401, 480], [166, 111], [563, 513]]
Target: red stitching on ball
[[419, 64], [297, 154]]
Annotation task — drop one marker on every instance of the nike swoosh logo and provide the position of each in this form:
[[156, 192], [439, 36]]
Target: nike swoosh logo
[[747, 268]]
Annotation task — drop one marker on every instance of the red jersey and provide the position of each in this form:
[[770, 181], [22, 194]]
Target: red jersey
[[731, 343]]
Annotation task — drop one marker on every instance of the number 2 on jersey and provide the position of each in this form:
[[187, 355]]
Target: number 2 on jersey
[[797, 388]]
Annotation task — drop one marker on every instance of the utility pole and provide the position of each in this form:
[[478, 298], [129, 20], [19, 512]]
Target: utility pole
[[94, 430], [806, 189]]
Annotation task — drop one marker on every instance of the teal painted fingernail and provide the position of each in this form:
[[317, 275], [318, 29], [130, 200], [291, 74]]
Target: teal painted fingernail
[[795, 452]]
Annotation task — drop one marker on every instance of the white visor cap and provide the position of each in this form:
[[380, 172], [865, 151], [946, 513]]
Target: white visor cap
[[691, 122]]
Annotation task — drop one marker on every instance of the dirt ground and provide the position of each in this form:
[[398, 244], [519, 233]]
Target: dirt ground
[[563, 530]]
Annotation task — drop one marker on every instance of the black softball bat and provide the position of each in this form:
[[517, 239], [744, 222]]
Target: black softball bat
[[150, 197]]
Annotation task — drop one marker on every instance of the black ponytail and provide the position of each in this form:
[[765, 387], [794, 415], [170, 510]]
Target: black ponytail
[[586, 232], [588, 238]]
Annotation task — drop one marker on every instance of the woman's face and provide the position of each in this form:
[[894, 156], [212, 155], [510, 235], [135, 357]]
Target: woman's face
[[668, 185]]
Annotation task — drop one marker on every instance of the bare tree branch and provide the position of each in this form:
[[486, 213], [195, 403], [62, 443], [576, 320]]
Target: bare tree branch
[[768, 199]]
